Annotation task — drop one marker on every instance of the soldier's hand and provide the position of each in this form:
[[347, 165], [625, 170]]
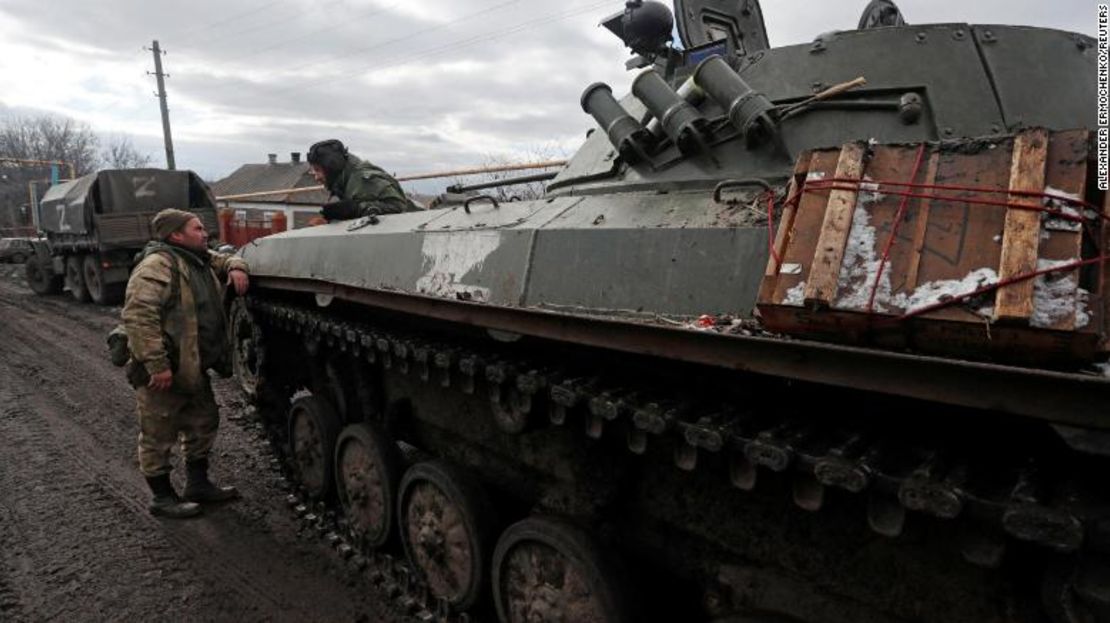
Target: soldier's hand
[[341, 210], [161, 381], [238, 280]]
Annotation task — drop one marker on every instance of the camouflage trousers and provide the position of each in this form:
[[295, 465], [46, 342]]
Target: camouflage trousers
[[169, 417]]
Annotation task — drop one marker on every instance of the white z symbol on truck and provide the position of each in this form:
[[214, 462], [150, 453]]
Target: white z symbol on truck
[[144, 186], [62, 224]]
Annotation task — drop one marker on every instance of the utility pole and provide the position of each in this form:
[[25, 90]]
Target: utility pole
[[161, 94]]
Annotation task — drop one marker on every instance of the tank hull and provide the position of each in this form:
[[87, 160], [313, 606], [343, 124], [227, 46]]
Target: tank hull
[[581, 379]]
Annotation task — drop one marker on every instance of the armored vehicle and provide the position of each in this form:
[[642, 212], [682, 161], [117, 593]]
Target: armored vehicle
[[91, 227], [573, 409]]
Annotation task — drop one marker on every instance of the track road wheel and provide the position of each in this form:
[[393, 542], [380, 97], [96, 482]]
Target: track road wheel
[[100, 292], [41, 278], [446, 526], [246, 348], [313, 428], [75, 279], [550, 570], [367, 473]]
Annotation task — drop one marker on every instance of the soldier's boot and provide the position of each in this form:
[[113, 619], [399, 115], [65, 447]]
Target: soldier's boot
[[199, 489], [166, 503]]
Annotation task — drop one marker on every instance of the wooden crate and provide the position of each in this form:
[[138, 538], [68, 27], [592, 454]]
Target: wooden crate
[[828, 248]]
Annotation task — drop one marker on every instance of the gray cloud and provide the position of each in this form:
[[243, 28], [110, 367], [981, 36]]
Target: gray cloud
[[413, 86]]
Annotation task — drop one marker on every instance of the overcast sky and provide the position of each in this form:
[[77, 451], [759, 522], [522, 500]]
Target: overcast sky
[[412, 85]]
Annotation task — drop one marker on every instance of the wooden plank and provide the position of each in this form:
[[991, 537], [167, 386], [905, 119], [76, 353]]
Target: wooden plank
[[784, 231], [786, 221], [921, 224], [820, 290], [1062, 241], [789, 286], [1022, 232]]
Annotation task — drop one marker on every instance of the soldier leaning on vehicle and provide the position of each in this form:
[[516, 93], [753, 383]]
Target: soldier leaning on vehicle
[[176, 331], [361, 188]]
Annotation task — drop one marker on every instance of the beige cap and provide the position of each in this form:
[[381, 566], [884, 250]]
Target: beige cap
[[168, 221]]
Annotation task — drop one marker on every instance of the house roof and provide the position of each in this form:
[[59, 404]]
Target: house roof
[[252, 178]]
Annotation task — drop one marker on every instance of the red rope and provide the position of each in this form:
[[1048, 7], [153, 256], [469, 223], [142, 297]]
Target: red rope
[[893, 232], [854, 185], [972, 189]]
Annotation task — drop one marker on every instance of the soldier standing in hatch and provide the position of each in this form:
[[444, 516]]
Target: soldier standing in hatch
[[174, 318], [362, 189]]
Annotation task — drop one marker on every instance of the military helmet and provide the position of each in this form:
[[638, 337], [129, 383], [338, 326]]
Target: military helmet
[[330, 155]]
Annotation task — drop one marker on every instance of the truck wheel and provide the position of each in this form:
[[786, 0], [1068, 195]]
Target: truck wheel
[[75, 279], [100, 292], [41, 278]]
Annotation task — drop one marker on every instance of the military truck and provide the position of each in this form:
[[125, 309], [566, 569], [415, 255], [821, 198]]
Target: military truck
[[91, 227]]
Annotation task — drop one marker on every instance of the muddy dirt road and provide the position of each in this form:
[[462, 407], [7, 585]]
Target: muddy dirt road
[[76, 541]]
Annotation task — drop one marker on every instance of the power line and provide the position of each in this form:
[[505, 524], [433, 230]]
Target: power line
[[309, 34], [360, 51], [253, 26], [218, 23], [477, 39]]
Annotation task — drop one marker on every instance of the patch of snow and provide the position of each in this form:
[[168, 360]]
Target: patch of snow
[[998, 238], [939, 291], [815, 175], [860, 266], [1056, 297], [869, 191], [795, 296], [1058, 200]]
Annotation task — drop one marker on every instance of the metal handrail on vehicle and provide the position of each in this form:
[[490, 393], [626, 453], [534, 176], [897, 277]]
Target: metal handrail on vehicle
[[422, 176]]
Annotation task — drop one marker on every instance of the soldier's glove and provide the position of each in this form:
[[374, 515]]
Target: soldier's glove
[[341, 210]]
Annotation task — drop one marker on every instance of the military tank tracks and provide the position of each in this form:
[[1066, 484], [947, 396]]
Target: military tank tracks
[[1001, 504]]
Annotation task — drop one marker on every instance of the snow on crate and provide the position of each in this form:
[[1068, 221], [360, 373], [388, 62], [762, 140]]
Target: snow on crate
[[942, 290], [1064, 203], [869, 192], [860, 266], [1056, 297], [795, 296]]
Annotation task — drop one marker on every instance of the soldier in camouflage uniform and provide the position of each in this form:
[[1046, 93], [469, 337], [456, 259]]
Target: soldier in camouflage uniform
[[361, 188], [176, 331]]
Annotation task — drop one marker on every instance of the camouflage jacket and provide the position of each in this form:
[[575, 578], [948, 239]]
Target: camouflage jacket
[[375, 190], [160, 317]]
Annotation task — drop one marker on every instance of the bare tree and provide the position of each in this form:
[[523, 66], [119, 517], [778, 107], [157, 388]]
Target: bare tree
[[121, 153], [50, 137]]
